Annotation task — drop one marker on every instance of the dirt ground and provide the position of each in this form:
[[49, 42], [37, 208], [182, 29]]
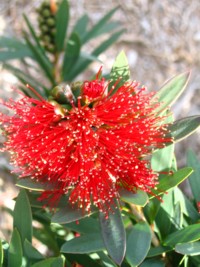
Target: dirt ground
[[162, 39]]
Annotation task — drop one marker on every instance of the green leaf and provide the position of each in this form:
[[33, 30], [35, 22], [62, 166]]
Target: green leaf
[[83, 63], [171, 90], [182, 128], [106, 259], [139, 198], [138, 243], [83, 260], [84, 244], [31, 252], [153, 263], [98, 27], [120, 70], [62, 19], [162, 159], [191, 248], [72, 52], [50, 262], [68, 214], [1, 254], [15, 250], [188, 234], [25, 78], [156, 251], [34, 36], [42, 60], [172, 180], [22, 217], [28, 183], [81, 26], [85, 225], [194, 180], [114, 236], [17, 54]]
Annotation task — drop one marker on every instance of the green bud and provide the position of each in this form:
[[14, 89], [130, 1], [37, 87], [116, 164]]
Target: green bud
[[47, 39], [50, 22], [46, 13], [44, 28]]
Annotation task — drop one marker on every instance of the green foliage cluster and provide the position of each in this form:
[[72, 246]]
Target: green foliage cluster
[[68, 57]]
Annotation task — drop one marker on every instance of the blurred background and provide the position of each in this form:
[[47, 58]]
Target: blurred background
[[162, 39]]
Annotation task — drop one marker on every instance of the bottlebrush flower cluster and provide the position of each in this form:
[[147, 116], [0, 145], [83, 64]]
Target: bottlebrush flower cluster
[[90, 150]]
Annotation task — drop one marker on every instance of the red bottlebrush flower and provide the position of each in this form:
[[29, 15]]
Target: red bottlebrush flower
[[92, 150]]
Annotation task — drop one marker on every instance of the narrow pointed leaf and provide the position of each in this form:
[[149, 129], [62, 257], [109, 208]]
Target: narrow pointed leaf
[[190, 249], [120, 70], [86, 225], [62, 19], [182, 128], [34, 36], [188, 234], [139, 198], [72, 52], [194, 178], [31, 252], [95, 29], [81, 26], [22, 216], [68, 214], [83, 63], [16, 54], [84, 244], [172, 180], [45, 64], [114, 236], [171, 90], [15, 250], [138, 243]]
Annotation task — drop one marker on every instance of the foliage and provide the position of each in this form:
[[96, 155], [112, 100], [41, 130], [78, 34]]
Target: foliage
[[143, 230]]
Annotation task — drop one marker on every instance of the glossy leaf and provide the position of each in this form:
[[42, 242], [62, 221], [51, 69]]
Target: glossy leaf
[[62, 19], [182, 128], [96, 28], [85, 225], [191, 248], [83, 260], [194, 180], [139, 198], [67, 215], [31, 252], [106, 259], [84, 244], [138, 243], [120, 70], [22, 217], [50, 262], [172, 180], [156, 251], [72, 52], [28, 183], [114, 236], [15, 250], [188, 234], [171, 90]]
